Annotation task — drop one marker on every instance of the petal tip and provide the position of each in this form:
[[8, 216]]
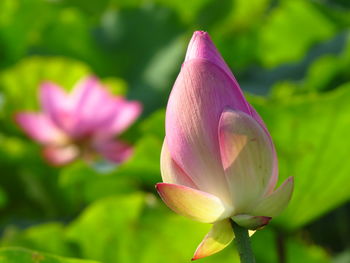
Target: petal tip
[[46, 85], [195, 258], [198, 254], [202, 47], [91, 80], [138, 107], [202, 34], [157, 186], [265, 221]]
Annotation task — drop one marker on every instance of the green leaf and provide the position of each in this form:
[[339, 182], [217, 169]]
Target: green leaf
[[48, 237], [105, 230], [187, 12], [310, 133], [329, 71], [19, 27], [155, 124], [297, 24], [144, 165], [322, 72], [83, 183], [3, 197], [145, 162], [140, 228], [147, 66], [22, 255], [264, 243], [21, 93], [344, 257]]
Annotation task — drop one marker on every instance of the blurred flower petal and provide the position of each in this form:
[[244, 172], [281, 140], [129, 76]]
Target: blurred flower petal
[[92, 106], [193, 203], [127, 112], [55, 104], [60, 155], [114, 151], [219, 237], [85, 88], [39, 128]]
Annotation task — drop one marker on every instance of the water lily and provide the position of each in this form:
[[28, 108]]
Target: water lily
[[218, 162], [80, 123]]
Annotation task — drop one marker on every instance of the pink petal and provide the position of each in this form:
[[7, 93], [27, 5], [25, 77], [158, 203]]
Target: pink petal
[[126, 114], [202, 47], [55, 103], [60, 155], [92, 105], [82, 90], [171, 172], [219, 237], [193, 203], [40, 128], [114, 151], [247, 156], [88, 96], [201, 92]]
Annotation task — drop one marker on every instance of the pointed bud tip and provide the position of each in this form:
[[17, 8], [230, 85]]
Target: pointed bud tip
[[201, 46], [201, 33], [201, 39]]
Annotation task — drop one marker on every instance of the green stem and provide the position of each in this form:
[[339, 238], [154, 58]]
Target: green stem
[[243, 243]]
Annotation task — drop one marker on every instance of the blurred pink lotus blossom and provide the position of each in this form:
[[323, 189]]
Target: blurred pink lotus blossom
[[81, 123], [218, 161]]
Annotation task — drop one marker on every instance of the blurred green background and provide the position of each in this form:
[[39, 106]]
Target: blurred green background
[[292, 59]]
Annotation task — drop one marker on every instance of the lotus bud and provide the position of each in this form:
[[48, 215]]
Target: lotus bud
[[218, 162]]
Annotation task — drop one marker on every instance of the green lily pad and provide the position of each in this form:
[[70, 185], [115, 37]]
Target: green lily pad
[[22, 255]]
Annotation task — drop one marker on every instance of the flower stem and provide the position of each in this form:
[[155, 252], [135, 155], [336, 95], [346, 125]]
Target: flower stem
[[243, 243]]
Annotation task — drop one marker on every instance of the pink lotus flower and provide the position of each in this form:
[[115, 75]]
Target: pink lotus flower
[[218, 162], [81, 123]]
